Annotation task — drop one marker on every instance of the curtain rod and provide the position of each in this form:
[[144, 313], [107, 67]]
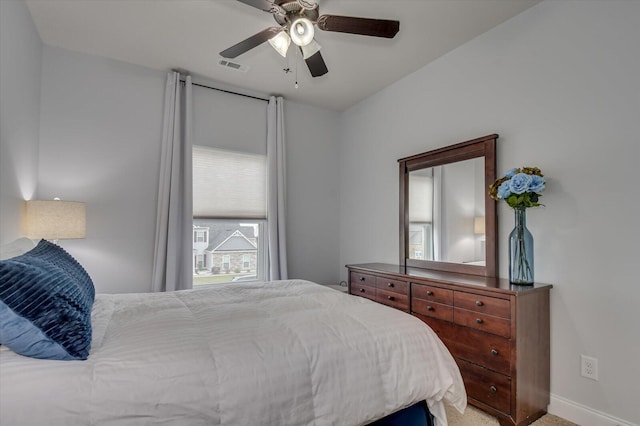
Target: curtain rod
[[227, 91]]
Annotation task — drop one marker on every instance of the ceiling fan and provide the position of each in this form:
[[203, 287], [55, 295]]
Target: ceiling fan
[[297, 19]]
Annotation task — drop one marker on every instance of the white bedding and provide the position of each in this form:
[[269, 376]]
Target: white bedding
[[243, 354]]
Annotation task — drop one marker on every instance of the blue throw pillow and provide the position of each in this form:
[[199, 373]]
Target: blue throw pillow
[[46, 298]]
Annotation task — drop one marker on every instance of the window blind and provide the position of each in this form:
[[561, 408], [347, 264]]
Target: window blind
[[228, 184], [421, 198], [230, 122]]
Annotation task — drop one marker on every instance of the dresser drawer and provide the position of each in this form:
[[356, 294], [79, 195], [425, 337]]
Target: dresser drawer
[[484, 304], [432, 294], [432, 309], [399, 301], [487, 350], [486, 386], [363, 290], [395, 286], [441, 328], [479, 321], [362, 279]]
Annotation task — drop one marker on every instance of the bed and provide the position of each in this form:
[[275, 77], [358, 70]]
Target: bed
[[250, 353]]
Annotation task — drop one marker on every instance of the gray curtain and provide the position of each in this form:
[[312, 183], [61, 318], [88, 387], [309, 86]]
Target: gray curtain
[[276, 179], [173, 255]]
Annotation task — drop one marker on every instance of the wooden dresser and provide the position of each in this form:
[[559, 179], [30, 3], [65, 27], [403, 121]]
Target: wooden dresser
[[498, 333]]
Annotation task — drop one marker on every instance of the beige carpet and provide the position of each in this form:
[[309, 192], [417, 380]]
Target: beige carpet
[[474, 417]]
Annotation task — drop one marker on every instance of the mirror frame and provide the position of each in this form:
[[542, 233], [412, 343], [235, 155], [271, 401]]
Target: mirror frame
[[480, 147]]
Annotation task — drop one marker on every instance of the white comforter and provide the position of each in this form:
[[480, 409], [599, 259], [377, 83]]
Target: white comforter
[[242, 354]]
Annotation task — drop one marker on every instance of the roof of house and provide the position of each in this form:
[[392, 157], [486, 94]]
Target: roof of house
[[235, 242], [219, 231]]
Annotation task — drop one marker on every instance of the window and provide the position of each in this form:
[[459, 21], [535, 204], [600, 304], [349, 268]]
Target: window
[[422, 189], [229, 207], [421, 241], [200, 236], [229, 186]]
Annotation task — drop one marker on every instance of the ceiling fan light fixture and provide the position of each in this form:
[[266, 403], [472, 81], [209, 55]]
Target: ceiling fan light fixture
[[297, 21], [281, 43], [301, 31]]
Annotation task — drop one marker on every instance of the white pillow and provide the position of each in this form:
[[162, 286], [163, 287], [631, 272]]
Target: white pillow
[[16, 248]]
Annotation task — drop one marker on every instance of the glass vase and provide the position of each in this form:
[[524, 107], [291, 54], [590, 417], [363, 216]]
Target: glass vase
[[520, 251]]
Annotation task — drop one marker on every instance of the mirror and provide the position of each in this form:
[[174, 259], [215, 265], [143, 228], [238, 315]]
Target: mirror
[[447, 219]]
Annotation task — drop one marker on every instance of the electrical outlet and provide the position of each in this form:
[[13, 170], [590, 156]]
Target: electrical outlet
[[589, 367]]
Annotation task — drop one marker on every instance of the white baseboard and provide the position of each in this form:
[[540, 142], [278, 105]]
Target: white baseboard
[[583, 415]]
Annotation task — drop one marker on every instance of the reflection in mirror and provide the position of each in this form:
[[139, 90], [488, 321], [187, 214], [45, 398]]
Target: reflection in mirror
[[445, 202], [447, 219]]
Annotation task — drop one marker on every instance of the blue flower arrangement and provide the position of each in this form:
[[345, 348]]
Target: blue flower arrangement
[[519, 187]]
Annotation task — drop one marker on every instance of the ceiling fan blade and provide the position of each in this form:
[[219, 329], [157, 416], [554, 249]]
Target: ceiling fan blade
[[251, 42], [363, 26], [316, 65]]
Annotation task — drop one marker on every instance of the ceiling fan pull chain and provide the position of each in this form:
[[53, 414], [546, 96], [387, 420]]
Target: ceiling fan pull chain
[[296, 63]]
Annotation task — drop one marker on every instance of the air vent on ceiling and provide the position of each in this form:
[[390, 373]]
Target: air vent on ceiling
[[233, 65]]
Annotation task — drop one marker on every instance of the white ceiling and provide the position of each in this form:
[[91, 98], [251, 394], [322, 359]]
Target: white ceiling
[[189, 34]]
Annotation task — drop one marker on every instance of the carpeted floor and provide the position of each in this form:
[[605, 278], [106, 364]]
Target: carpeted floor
[[474, 417]]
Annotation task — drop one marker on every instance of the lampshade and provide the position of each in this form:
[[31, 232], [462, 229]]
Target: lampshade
[[478, 225], [301, 31], [281, 43], [56, 219]]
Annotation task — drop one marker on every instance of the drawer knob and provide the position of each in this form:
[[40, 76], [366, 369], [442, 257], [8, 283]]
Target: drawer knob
[[479, 303], [362, 290], [429, 293], [389, 284], [430, 308], [494, 352], [362, 278], [479, 320], [391, 298], [493, 389]]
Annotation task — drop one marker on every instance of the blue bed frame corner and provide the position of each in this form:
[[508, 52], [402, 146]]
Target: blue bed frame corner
[[415, 415]]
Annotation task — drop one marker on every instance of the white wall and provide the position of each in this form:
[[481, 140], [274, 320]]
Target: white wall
[[20, 65], [559, 83], [312, 192], [101, 126], [100, 143]]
